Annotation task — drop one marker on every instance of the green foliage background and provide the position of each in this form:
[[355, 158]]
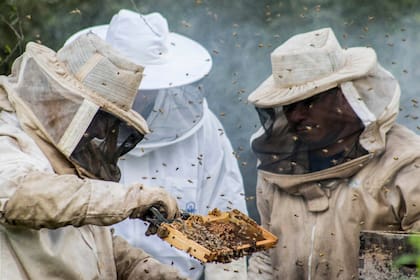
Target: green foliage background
[[240, 35], [412, 259]]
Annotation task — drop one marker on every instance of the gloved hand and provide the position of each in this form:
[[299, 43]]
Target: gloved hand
[[146, 197], [133, 264]]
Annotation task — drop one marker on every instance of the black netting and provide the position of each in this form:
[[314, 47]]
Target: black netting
[[105, 141], [309, 135]]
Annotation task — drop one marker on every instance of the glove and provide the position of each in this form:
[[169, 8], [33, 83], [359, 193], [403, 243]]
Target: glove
[[146, 197], [133, 263]]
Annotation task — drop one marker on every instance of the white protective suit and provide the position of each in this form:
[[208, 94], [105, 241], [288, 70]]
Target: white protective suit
[[197, 166]]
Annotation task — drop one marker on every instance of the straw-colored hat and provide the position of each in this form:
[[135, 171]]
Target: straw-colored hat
[[170, 59], [310, 63], [59, 93], [110, 79]]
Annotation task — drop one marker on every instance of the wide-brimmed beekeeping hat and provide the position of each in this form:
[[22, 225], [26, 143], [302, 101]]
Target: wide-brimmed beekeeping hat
[[170, 59], [310, 63], [111, 79]]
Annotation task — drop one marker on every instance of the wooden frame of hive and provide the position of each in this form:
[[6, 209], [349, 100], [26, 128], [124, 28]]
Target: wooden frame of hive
[[180, 241]]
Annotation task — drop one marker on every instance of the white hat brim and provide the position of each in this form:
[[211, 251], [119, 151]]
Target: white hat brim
[[359, 61], [188, 62]]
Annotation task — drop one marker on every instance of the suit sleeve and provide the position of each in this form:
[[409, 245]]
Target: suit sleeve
[[133, 263], [32, 195]]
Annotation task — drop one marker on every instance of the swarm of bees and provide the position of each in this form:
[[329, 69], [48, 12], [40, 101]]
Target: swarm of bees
[[218, 237]]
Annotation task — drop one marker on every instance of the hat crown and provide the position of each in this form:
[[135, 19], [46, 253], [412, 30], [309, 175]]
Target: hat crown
[[141, 38], [307, 57], [94, 63]]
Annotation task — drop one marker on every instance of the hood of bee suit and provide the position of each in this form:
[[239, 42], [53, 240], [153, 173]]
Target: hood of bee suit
[[375, 98], [57, 95], [311, 63], [174, 114]]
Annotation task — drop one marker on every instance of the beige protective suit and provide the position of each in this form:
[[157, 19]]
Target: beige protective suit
[[318, 216], [50, 217]]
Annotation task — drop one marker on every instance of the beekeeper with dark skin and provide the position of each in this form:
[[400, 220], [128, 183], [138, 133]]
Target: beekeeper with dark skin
[[332, 160], [65, 119]]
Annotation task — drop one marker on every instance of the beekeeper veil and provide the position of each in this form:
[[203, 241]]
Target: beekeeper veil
[[323, 105], [79, 100]]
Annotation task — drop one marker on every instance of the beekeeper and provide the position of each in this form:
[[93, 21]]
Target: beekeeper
[[187, 151], [65, 119], [332, 160]]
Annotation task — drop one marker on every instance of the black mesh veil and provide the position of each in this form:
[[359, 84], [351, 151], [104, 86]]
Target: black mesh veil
[[308, 136], [106, 139]]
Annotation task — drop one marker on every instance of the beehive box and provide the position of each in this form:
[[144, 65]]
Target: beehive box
[[217, 237], [379, 251]]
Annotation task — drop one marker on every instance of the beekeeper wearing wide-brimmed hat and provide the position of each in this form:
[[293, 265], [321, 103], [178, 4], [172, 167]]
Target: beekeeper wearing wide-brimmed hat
[[186, 152], [331, 159], [65, 119]]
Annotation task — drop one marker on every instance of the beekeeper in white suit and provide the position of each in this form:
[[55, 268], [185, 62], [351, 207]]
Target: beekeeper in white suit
[[187, 151]]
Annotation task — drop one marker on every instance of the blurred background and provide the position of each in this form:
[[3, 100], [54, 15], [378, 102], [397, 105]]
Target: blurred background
[[240, 35]]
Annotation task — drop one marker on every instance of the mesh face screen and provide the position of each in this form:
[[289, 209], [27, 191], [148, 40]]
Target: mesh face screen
[[309, 135], [104, 142]]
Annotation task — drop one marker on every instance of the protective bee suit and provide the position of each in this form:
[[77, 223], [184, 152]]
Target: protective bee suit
[[62, 130], [187, 152], [198, 175], [317, 193]]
